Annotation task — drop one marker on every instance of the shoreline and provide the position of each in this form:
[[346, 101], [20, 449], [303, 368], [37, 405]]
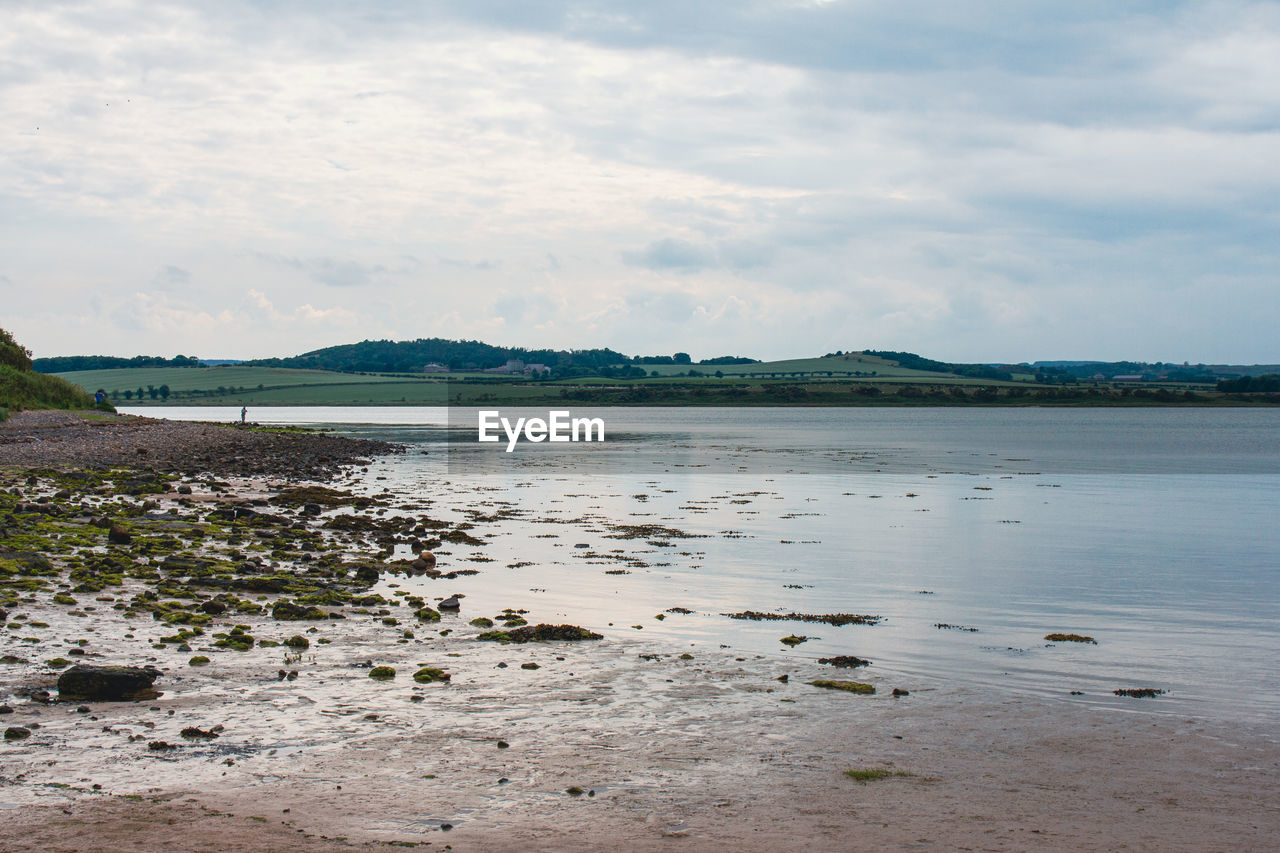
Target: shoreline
[[690, 754]]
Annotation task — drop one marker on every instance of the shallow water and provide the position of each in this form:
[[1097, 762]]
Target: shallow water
[[1150, 530]]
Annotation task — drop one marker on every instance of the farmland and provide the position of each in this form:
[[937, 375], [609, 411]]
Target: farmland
[[845, 380]]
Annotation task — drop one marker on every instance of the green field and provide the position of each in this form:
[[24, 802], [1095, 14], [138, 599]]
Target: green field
[[813, 382]]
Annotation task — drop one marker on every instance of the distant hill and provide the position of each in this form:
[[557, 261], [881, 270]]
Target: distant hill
[[413, 356]]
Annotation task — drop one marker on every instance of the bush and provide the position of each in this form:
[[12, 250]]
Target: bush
[[13, 354]]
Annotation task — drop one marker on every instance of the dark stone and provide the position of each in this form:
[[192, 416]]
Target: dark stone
[[184, 489], [194, 733], [451, 603], [214, 608], [107, 683], [16, 733], [119, 536], [5, 709], [897, 691]]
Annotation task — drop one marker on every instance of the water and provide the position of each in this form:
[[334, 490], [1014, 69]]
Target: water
[[1151, 530]]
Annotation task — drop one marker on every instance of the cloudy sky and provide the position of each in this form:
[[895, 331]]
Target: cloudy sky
[[983, 181]]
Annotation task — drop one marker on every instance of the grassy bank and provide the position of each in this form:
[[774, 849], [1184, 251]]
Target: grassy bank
[[23, 389]]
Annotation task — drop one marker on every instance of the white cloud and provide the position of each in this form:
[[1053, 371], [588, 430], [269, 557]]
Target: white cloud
[[969, 183]]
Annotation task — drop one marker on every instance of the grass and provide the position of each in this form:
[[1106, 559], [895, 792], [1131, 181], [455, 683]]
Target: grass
[[22, 389], [873, 774]]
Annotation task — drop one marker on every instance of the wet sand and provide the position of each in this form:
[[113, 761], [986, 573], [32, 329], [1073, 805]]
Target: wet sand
[[670, 753]]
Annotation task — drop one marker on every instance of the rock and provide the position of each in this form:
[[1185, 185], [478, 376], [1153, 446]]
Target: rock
[[107, 683], [16, 733], [541, 633], [5, 709], [846, 661], [117, 535], [530, 665], [425, 560], [451, 603], [429, 674], [194, 733], [160, 746], [898, 691], [382, 673], [289, 611], [214, 608], [1139, 692]]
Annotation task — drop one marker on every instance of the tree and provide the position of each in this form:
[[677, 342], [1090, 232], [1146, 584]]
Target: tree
[[153, 391], [682, 358], [140, 392], [12, 353], [128, 395], [164, 391]]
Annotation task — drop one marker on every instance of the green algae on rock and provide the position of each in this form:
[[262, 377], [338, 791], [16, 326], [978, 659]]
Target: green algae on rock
[[1070, 638], [847, 686], [872, 774], [429, 674], [382, 673]]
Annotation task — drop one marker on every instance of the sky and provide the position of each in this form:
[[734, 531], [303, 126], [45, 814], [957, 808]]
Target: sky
[[986, 181]]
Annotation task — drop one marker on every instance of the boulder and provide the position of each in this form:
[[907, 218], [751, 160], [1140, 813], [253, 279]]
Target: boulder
[[118, 535], [450, 603], [107, 683]]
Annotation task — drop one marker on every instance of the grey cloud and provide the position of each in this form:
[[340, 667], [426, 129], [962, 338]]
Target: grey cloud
[[671, 254], [337, 272]]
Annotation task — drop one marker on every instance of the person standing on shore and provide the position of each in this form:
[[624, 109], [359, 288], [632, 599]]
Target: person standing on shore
[[244, 412]]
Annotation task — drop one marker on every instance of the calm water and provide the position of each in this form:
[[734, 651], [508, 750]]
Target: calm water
[[1152, 530]]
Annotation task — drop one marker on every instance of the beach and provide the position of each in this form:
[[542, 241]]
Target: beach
[[626, 742]]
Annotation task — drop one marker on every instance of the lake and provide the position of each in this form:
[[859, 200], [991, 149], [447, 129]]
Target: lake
[[1151, 530]]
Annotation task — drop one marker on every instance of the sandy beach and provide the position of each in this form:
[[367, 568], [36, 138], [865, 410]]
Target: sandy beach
[[623, 743]]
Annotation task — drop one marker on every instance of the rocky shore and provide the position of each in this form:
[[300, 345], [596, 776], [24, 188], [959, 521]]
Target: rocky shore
[[58, 439]]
